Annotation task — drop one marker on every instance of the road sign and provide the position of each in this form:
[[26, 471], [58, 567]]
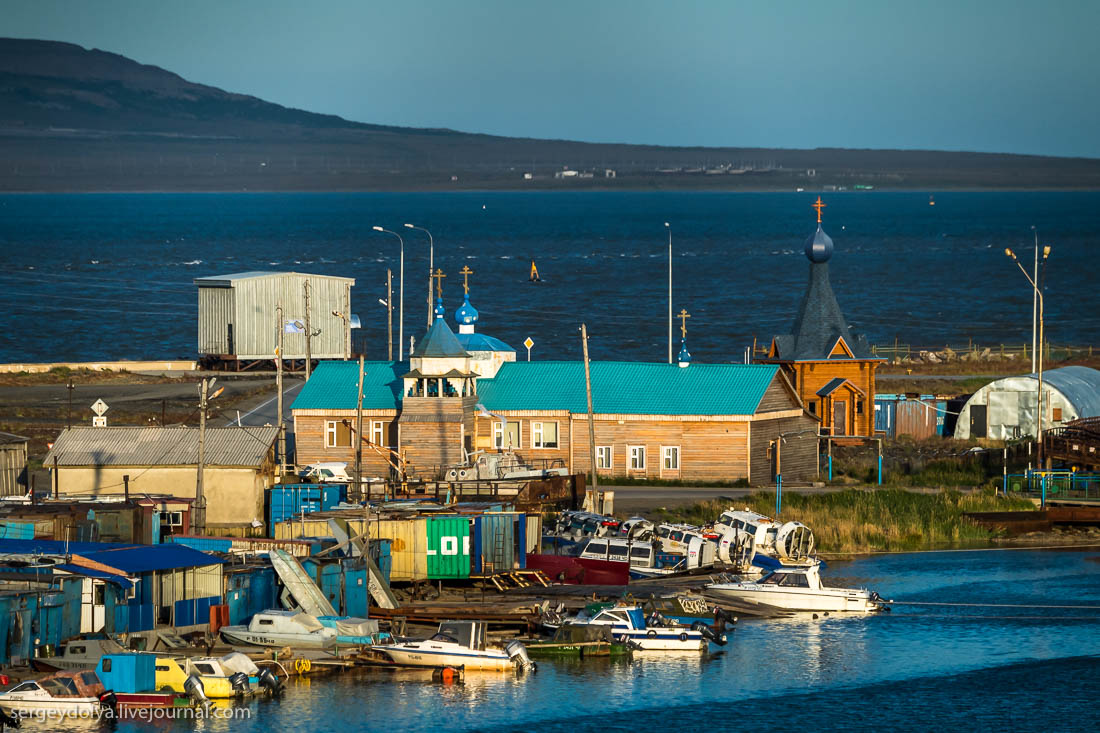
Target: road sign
[[99, 421], [528, 343], [99, 407]]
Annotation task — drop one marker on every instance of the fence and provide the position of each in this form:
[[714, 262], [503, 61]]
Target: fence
[[1051, 352], [1047, 485]]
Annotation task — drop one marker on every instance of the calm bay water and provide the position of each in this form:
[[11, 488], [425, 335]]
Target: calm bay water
[[110, 276], [918, 668]]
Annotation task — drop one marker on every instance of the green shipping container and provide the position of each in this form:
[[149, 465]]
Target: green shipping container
[[448, 547]]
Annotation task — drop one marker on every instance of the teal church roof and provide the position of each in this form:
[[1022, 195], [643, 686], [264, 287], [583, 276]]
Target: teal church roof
[[628, 387], [439, 341], [333, 385]]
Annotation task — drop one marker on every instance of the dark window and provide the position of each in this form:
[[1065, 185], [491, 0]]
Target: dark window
[[639, 552], [813, 407], [859, 407], [266, 622], [74, 650], [107, 665]]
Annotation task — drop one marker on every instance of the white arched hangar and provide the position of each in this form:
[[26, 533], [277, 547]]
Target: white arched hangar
[[1006, 408]]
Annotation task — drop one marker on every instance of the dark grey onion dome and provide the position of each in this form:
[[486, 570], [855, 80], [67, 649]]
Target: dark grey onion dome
[[819, 247]]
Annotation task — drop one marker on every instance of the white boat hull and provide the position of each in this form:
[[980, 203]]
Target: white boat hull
[[84, 707], [833, 600], [426, 656], [663, 640], [241, 636]]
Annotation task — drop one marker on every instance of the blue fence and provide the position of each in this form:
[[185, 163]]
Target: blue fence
[[1046, 485]]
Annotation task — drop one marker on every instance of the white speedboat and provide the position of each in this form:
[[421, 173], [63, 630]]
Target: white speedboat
[[797, 589], [457, 644], [57, 695], [628, 624], [282, 628]]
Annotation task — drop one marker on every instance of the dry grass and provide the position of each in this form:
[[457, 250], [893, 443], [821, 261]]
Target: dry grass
[[854, 520]]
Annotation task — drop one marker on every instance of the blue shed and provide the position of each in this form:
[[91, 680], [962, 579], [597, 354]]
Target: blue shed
[[128, 673]]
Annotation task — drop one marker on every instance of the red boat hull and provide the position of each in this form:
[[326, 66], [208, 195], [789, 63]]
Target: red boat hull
[[580, 571]]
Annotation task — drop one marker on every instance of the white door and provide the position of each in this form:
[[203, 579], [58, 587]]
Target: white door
[[93, 610]]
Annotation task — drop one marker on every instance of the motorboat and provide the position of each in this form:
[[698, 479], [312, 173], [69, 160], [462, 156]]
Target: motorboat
[[131, 679], [797, 589], [353, 631], [78, 654], [457, 644], [295, 629], [233, 675], [646, 560], [63, 694], [629, 625], [579, 641]]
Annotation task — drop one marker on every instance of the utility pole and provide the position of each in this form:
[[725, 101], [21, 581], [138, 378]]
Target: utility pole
[[309, 336], [198, 512], [1034, 301], [389, 313], [359, 430], [279, 385], [591, 419], [70, 386], [669, 291]]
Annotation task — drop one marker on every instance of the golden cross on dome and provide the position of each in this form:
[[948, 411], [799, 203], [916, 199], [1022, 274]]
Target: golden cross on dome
[[466, 272], [819, 206], [438, 276], [683, 316]]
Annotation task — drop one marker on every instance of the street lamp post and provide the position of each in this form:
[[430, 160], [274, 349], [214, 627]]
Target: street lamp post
[[401, 297], [431, 266], [1036, 286], [669, 228], [1034, 299]]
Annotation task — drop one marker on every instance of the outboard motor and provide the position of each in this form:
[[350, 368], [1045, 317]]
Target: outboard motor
[[108, 702], [239, 682], [270, 682], [196, 690], [655, 619], [722, 617], [709, 634], [517, 652]]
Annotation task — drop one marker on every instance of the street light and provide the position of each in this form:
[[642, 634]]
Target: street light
[[1034, 298], [669, 228], [401, 297], [1036, 286], [431, 266]]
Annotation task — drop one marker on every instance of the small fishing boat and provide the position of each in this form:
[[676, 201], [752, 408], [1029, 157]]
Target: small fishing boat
[[233, 675], [457, 644], [64, 694], [578, 641], [628, 624], [797, 589], [282, 628], [687, 610], [78, 654], [131, 679]]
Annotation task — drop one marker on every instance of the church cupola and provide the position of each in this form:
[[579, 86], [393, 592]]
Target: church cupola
[[684, 358], [466, 315]]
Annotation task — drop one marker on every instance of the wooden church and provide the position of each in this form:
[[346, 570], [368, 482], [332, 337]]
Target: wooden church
[[831, 368]]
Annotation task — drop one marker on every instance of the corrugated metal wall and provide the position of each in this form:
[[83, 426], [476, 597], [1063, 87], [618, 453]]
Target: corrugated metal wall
[[216, 315], [448, 550], [494, 543], [408, 547], [13, 462], [255, 328]]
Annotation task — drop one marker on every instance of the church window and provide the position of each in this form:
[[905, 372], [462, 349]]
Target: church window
[[506, 436], [544, 435], [603, 456], [637, 457], [670, 457], [337, 434]]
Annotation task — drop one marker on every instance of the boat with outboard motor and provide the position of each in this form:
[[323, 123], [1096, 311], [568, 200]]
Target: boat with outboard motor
[[797, 589], [82, 653], [629, 624], [457, 644], [579, 641], [233, 675], [71, 693], [276, 628]]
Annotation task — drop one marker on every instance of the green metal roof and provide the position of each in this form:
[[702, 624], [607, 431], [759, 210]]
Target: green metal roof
[[628, 387], [333, 385]]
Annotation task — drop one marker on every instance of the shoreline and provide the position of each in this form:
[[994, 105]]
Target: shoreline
[[640, 188]]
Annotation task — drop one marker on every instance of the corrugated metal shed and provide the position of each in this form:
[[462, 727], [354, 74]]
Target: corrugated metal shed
[[333, 386], [157, 446], [127, 558], [628, 387], [237, 314], [1006, 408]]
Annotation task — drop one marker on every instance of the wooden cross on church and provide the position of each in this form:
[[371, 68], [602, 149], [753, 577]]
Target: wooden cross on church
[[683, 316], [438, 277], [466, 272]]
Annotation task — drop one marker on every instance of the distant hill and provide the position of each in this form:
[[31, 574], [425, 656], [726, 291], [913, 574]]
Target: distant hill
[[88, 120]]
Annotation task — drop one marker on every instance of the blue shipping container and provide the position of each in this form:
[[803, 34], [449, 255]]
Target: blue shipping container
[[287, 501]]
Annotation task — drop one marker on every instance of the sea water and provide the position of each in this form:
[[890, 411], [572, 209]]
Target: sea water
[[110, 276]]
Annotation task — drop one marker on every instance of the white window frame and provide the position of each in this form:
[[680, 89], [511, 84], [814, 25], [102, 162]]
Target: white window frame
[[634, 452], [500, 429], [605, 455], [331, 433], [537, 434], [667, 452], [378, 432]]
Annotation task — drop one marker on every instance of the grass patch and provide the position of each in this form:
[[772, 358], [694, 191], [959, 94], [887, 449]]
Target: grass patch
[[854, 520]]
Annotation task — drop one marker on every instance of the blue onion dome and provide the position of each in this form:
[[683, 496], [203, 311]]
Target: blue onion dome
[[819, 247], [685, 356], [440, 311], [466, 315]]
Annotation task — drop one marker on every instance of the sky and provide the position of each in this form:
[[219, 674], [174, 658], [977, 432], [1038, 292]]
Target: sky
[[994, 76]]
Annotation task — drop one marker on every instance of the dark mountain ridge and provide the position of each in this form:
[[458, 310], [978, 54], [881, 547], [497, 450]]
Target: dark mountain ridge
[[78, 119]]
